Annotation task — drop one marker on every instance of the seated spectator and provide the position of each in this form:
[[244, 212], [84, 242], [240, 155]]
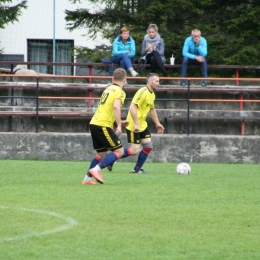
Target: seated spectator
[[194, 53], [124, 51], [153, 49]]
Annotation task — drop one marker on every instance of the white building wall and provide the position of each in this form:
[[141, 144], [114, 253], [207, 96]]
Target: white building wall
[[37, 22]]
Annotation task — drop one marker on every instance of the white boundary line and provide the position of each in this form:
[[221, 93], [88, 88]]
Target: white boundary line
[[70, 223]]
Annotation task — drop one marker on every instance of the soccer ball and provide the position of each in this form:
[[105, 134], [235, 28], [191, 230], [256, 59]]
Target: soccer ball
[[183, 168]]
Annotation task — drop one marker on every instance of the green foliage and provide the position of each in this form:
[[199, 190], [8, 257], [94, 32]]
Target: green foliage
[[85, 54], [9, 14], [46, 213], [231, 27]]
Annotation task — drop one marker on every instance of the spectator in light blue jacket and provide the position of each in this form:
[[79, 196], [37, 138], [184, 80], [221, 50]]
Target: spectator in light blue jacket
[[194, 52], [124, 51]]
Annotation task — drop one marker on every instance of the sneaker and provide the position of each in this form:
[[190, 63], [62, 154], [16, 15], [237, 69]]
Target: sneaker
[[97, 175], [134, 73], [92, 182], [140, 171], [183, 84], [204, 83]]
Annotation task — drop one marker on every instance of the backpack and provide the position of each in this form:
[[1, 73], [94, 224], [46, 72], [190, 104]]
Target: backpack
[[111, 67]]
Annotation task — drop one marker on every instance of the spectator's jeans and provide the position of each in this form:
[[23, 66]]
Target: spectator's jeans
[[186, 61], [124, 61]]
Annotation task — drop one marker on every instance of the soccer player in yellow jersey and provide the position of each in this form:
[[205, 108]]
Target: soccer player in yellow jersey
[[137, 130], [104, 138]]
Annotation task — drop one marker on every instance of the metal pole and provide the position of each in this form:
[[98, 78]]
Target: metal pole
[[165, 107], [188, 114], [54, 40], [37, 105], [12, 100]]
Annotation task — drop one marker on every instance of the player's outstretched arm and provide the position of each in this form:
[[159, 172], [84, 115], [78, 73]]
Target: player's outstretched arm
[[154, 116]]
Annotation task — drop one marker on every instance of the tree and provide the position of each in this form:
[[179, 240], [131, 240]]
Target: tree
[[231, 27], [9, 14]]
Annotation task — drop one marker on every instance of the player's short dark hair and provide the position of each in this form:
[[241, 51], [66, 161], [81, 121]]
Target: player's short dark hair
[[151, 75], [119, 74]]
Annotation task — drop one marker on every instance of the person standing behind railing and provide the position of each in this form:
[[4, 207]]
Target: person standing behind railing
[[194, 53], [124, 51]]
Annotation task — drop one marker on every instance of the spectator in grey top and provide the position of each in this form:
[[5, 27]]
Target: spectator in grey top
[[153, 49]]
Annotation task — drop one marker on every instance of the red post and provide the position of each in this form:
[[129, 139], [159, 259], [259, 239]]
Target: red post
[[237, 76], [90, 96], [243, 127], [241, 104], [90, 73]]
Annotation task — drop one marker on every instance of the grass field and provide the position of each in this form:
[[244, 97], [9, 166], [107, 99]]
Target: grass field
[[45, 212]]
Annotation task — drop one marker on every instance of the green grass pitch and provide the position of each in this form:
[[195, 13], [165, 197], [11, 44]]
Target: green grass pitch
[[46, 213]]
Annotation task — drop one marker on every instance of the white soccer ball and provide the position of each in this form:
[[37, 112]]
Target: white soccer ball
[[183, 168]]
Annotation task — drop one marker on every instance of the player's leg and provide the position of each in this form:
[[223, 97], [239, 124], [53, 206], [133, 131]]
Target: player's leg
[[110, 167], [147, 147], [109, 159], [127, 151], [126, 154], [99, 145], [134, 140], [111, 141], [142, 156], [88, 178]]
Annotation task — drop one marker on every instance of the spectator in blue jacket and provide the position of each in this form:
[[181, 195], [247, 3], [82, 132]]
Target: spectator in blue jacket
[[153, 49], [124, 51], [194, 52]]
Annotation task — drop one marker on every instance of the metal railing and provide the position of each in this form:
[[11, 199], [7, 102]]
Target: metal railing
[[241, 99]]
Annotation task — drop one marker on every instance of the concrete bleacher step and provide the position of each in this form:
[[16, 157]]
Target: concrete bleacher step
[[83, 113]]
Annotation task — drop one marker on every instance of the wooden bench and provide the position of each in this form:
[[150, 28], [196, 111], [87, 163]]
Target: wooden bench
[[237, 68]]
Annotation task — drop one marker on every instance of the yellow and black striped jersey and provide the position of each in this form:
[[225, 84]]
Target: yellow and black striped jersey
[[104, 115], [144, 99]]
